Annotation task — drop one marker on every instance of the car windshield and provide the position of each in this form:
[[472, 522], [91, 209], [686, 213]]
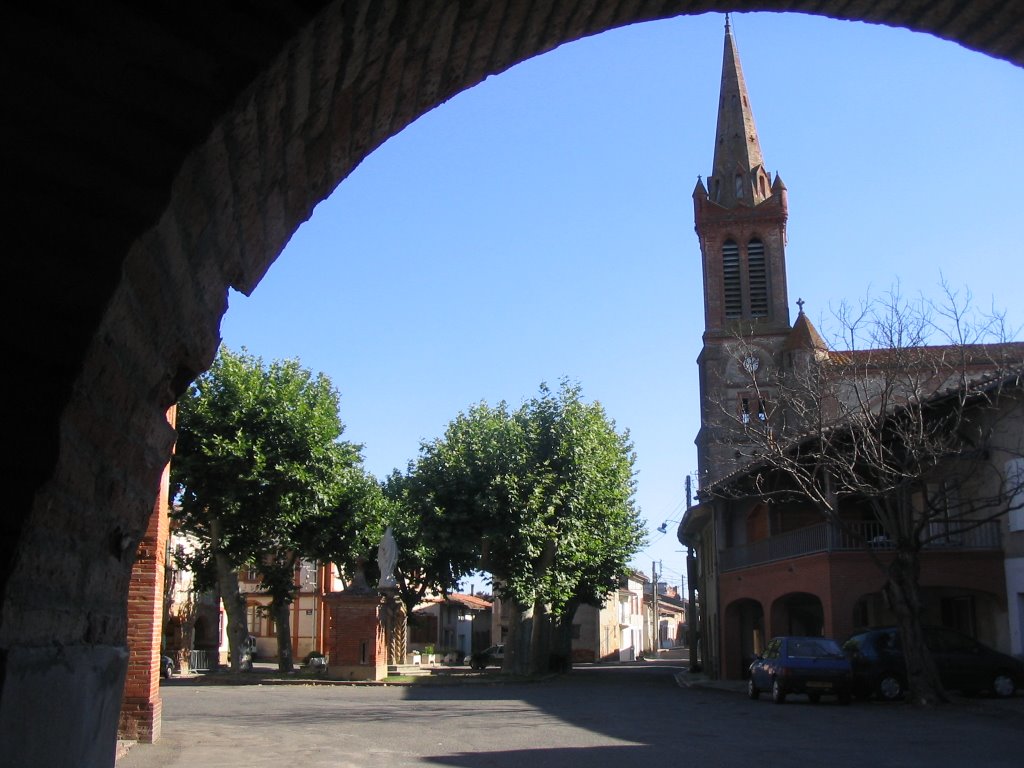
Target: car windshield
[[814, 648]]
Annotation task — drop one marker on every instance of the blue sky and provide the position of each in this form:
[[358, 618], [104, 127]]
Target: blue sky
[[540, 226]]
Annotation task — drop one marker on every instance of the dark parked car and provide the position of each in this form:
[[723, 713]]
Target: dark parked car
[[166, 666], [815, 666], [964, 664], [492, 656]]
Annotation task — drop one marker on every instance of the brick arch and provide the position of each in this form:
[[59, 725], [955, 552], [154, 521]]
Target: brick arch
[[798, 613], [192, 182]]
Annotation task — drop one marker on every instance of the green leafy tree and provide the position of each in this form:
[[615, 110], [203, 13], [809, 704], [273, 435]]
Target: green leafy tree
[[441, 507], [348, 533], [579, 525], [542, 498], [258, 457]]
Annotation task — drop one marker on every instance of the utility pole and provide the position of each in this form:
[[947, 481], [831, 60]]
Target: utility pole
[[691, 609], [655, 623]]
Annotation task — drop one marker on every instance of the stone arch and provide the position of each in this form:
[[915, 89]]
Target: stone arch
[[195, 186]]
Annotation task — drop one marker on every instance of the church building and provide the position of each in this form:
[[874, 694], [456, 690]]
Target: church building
[[760, 565]]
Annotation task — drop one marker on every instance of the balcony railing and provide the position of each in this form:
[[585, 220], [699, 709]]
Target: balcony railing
[[825, 537]]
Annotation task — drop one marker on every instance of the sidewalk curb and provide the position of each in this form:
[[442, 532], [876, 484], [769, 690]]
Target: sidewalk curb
[[702, 682]]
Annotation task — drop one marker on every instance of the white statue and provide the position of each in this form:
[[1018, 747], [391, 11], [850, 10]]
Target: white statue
[[387, 558]]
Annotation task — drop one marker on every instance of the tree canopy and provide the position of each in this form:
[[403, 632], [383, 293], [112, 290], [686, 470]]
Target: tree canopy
[[258, 457], [541, 497]]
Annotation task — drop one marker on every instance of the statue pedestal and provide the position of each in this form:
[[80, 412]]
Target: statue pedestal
[[356, 643]]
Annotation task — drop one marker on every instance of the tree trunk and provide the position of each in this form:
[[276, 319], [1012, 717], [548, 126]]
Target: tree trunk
[[903, 593], [234, 610], [540, 628], [540, 639], [517, 644], [281, 610], [561, 639], [234, 601]]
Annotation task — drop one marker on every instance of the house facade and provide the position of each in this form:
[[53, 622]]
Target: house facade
[[764, 565], [306, 620], [195, 625], [669, 628], [618, 630], [455, 625], [191, 619]]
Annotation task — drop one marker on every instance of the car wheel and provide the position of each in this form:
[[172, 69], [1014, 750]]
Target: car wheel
[[1003, 685], [168, 670], [890, 687], [778, 695], [752, 690], [814, 697]]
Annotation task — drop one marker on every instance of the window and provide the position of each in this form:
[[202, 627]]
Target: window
[[758, 279], [261, 623], [943, 509], [749, 406], [958, 613], [732, 292], [739, 186]]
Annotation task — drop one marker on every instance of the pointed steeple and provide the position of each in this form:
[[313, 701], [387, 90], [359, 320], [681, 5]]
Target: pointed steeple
[[738, 176], [740, 218]]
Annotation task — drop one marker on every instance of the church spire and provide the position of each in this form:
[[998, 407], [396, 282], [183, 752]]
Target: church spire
[[738, 176], [740, 220]]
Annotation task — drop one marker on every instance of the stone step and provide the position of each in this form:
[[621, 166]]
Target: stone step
[[407, 669]]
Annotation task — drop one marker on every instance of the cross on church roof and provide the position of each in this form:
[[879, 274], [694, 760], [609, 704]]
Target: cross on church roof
[[800, 303]]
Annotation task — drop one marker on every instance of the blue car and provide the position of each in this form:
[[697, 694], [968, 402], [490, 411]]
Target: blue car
[[815, 666], [963, 663]]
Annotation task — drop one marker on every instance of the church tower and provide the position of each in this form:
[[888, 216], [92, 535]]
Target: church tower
[[740, 220]]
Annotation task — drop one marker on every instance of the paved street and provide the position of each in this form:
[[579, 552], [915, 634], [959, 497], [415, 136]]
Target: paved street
[[617, 716]]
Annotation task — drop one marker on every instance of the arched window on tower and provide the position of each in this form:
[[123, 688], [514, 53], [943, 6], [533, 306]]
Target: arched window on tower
[[757, 272], [731, 292], [739, 186]]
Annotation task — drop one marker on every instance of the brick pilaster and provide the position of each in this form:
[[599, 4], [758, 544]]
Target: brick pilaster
[[141, 705]]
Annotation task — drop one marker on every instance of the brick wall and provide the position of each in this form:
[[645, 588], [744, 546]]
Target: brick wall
[[355, 642]]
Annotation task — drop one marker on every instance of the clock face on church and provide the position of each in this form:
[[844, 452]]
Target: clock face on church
[[751, 363]]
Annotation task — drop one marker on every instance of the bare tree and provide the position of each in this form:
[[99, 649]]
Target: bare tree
[[915, 429]]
